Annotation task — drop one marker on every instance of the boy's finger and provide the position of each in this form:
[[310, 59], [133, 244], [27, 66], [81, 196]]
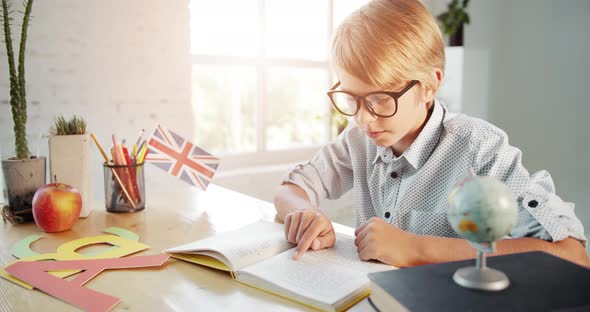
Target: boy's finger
[[366, 251], [306, 220], [308, 237], [363, 253], [360, 236], [315, 245], [294, 227], [323, 241], [287, 222], [360, 228]]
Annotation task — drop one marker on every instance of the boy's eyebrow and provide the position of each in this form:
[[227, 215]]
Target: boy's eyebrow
[[386, 89], [339, 88]]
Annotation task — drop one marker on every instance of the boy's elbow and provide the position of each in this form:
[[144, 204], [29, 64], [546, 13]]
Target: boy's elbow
[[573, 250]]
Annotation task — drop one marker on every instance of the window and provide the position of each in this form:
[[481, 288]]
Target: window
[[260, 71]]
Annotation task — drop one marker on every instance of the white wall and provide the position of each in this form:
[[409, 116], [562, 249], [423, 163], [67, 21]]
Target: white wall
[[123, 65], [535, 87]]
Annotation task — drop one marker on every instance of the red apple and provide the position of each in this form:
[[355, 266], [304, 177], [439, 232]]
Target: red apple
[[56, 207]]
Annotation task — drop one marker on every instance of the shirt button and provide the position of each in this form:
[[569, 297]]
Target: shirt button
[[394, 175], [387, 215]]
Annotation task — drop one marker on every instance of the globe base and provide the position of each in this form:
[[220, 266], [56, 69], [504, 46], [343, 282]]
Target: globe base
[[483, 279]]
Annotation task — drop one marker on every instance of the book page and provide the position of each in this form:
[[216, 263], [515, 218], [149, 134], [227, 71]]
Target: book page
[[319, 278], [241, 247]]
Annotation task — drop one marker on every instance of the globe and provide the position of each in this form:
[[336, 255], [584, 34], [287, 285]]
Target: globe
[[482, 209]]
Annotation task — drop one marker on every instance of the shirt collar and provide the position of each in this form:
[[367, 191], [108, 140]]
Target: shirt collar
[[419, 151]]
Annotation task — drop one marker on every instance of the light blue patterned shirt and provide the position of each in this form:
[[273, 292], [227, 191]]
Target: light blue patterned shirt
[[411, 191]]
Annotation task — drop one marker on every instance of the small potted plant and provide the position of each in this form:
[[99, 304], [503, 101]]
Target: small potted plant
[[23, 174], [70, 157], [452, 21]]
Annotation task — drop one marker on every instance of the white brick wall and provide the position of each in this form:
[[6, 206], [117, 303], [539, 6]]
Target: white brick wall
[[123, 65]]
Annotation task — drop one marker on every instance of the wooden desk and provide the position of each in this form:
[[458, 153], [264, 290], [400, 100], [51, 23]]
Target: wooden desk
[[171, 218]]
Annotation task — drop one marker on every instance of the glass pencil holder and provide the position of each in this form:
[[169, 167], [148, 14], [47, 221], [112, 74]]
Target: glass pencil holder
[[124, 187]]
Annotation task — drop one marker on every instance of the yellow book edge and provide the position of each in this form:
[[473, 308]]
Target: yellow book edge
[[202, 260], [344, 308], [218, 265]]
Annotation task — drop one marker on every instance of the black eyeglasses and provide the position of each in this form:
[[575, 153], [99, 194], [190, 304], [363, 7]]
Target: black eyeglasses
[[380, 103]]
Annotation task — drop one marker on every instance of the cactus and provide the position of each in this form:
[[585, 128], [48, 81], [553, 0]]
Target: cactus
[[18, 103]]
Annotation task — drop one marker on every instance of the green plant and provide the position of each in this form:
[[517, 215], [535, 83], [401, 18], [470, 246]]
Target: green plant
[[76, 125], [454, 17], [338, 121], [18, 103]]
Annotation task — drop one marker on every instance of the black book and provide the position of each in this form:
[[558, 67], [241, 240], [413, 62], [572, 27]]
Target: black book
[[538, 282]]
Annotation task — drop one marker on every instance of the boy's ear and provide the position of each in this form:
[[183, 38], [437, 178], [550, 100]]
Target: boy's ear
[[430, 92]]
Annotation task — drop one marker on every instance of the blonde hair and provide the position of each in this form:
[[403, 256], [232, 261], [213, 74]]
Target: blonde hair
[[387, 42]]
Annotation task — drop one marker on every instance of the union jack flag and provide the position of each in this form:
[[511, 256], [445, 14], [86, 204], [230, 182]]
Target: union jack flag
[[179, 157]]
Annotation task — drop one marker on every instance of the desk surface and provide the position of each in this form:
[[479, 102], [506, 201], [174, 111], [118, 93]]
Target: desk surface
[[171, 218]]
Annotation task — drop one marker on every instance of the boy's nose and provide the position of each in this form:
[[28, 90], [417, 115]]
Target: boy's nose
[[364, 116]]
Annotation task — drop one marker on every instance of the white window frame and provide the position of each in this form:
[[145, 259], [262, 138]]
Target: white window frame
[[262, 156]]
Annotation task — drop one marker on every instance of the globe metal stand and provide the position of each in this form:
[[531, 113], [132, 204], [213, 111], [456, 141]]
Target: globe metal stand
[[482, 210], [481, 277]]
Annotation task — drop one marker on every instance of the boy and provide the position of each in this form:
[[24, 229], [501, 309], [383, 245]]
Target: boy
[[403, 154]]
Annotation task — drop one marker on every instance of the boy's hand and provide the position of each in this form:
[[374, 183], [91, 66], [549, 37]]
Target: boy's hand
[[379, 240], [308, 228]]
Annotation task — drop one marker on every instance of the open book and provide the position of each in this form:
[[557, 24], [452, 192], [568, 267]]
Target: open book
[[259, 256]]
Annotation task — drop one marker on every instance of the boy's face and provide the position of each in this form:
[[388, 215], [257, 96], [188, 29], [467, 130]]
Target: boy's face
[[398, 131]]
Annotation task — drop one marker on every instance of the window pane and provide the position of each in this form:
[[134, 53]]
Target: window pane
[[224, 107], [297, 29], [297, 107], [343, 8], [225, 27]]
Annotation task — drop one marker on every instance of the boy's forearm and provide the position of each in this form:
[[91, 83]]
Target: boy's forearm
[[434, 249], [290, 198]]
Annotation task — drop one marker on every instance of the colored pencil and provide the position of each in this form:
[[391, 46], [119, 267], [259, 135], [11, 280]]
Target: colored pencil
[[126, 173], [133, 179], [134, 154], [140, 136], [106, 160]]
